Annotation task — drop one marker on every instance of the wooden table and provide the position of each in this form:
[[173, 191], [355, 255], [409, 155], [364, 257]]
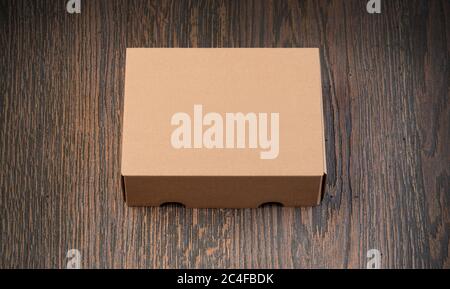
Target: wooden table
[[386, 93]]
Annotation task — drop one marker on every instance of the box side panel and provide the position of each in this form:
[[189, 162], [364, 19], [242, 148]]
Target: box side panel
[[223, 192], [322, 188], [124, 188], [323, 122]]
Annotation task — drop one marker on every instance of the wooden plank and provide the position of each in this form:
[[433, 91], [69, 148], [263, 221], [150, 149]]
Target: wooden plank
[[385, 84]]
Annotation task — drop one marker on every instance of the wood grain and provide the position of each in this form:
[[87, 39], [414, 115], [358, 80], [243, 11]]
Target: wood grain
[[386, 91]]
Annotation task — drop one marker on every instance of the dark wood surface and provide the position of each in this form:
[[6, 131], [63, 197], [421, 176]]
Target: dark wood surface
[[386, 91]]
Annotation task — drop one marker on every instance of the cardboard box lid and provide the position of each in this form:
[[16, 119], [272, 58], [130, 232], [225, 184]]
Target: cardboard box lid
[[160, 82]]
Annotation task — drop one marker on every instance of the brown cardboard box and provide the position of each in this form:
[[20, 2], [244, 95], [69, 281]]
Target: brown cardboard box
[[223, 128]]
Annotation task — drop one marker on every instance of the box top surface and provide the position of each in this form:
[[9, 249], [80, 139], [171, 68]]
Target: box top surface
[[162, 86]]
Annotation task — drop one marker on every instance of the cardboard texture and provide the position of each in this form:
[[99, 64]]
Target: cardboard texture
[[223, 127]]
